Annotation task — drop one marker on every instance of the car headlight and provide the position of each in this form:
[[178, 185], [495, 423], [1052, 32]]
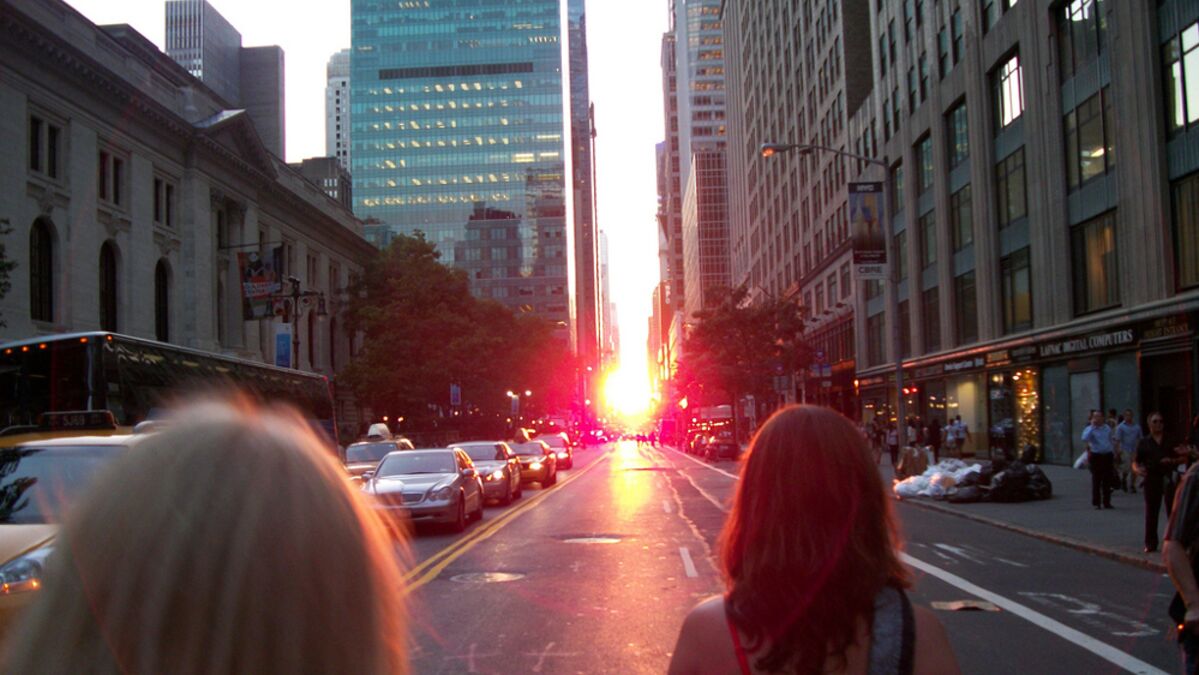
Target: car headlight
[[24, 573], [442, 493], [536, 466], [498, 474], [562, 455]]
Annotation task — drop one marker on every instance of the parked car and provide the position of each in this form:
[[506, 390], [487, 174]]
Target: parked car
[[722, 446], [696, 446], [538, 462], [499, 466], [562, 447], [435, 485], [365, 455]]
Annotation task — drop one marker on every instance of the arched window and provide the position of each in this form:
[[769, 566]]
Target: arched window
[[162, 301], [108, 287], [41, 272]]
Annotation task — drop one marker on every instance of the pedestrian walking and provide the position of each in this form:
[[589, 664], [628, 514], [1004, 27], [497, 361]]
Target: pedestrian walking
[[1128, 438], [1100, 455], [813, 578], [935, 438], [893, 443], [1157, 462], [961, 434], [1182, 537]]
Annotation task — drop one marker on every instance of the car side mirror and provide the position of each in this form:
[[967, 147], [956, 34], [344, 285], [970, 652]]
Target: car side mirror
[[469, 472], [367, 475]]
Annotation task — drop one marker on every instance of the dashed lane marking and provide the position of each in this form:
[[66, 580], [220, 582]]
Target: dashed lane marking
[[688, 564], [1102, 650]]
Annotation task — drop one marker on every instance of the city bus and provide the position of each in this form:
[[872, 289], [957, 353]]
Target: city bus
[[136, 380]]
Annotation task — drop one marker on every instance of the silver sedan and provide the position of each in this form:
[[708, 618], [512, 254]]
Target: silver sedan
[[436, 486]]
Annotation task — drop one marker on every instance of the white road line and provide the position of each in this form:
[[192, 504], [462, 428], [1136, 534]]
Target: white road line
[[666, 506], [1107, 652], [688, 564], [706, 465]]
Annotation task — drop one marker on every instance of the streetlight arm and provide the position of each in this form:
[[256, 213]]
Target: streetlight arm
[[770, 149]]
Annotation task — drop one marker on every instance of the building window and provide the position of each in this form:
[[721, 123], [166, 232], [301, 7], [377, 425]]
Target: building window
[[943, 63], [1090, 144], [846, 281], [1010, 189], [961, 218], [990, 13], [966, 308], [913, 92], [896, 188], [1016, 277], [931, 300], [45, 146], [905, 329], [875, 340], [1186, 230], [1008, 92], [958, 130], [923, 65], [874, 288], [41, 272], [1180, 63], [1082, 34], [110, 181], [1096, 274], [957, 33], [108, 287], [164, 202], [901, 255], [924, 164], [162, 301], [928, 239]]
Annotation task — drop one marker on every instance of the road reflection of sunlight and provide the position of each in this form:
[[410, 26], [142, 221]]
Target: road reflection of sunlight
[[632, 485]]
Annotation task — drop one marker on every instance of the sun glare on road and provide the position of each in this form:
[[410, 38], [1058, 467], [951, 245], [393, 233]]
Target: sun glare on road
[[627, 393]]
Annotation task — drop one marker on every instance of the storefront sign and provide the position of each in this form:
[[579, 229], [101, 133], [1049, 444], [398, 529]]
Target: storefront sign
[[1023, 354], [1089, 343], [929, 371], [1166, 328], [870, 381], [999, 358], [966, 364]]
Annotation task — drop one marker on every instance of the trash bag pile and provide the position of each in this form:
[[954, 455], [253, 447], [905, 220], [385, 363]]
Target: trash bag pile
[[954, 481]]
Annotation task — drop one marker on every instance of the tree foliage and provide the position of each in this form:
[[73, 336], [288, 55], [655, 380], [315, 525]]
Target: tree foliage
[[737, 347], [424, 331]]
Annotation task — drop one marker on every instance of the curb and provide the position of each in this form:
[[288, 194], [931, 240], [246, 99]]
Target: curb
[[1068, 542]]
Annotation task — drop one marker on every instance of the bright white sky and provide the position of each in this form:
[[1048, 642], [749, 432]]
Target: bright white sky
[[626, 86]]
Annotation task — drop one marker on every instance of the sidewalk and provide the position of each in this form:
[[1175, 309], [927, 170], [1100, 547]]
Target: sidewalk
[[1067, 519]]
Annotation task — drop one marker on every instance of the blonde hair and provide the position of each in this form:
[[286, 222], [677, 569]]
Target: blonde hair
[[230, 542]]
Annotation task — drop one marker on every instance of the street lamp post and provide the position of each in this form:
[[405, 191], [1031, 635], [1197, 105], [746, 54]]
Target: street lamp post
[[769, 150], [294, 297]]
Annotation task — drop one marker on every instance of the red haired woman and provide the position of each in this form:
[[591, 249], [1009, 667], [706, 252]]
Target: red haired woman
[[810, 556]]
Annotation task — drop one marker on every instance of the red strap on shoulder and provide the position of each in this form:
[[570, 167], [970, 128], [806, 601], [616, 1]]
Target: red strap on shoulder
[[742, 657]]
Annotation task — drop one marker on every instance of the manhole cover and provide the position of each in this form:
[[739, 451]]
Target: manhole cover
[[592, 540], [486, 577], [966, 606]]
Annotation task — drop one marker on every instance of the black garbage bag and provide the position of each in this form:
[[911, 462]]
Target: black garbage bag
[[1011, 484], [971, 479], [1039, 485], [966, 495], [1029, 454]]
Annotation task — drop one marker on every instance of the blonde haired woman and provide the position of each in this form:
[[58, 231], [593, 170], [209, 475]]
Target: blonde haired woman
[[228, 543]]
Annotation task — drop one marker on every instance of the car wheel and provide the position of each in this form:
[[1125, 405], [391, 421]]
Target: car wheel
[[570, 463], [459, 523], [520, 490], [553, 479]]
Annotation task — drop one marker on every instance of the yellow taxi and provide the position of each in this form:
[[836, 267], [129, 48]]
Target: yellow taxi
[[40, 481]]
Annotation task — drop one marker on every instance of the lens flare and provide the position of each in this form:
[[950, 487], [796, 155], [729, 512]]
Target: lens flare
[[627, 392]]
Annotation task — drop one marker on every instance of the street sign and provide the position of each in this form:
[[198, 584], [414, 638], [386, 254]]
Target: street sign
[[869, 238]]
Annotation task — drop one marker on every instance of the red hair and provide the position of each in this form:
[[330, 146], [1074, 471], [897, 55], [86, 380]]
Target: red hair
[[810, 542]]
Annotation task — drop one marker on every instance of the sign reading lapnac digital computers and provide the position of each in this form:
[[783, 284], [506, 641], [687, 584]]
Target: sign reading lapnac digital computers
[[869, 240]]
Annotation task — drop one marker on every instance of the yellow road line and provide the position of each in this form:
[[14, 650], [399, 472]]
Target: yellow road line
[[432, 566]]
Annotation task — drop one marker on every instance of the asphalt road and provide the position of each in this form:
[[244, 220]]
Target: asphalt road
[[595, 575]]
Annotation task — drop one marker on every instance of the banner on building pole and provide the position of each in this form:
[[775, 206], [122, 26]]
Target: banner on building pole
[[869, 238], [283, 345], [259, 273]]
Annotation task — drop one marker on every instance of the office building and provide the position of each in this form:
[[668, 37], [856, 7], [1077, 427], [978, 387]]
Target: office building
[[1045, 226], [482, 136], [798, 72], [251, 78], [705, 232], [670, 184], [330, 176], [337, 108]]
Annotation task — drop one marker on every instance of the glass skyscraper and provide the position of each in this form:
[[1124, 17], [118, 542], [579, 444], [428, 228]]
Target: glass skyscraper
[[462, 121]]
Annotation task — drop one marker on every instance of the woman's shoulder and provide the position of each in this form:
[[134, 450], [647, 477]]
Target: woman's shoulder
[[704, 641], [933, 651]]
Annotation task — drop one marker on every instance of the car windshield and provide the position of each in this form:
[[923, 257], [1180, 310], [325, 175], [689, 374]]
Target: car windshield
[[368, 452], [531, 448], [553, 441], [409, 463], [484, 452], [38, 485]]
